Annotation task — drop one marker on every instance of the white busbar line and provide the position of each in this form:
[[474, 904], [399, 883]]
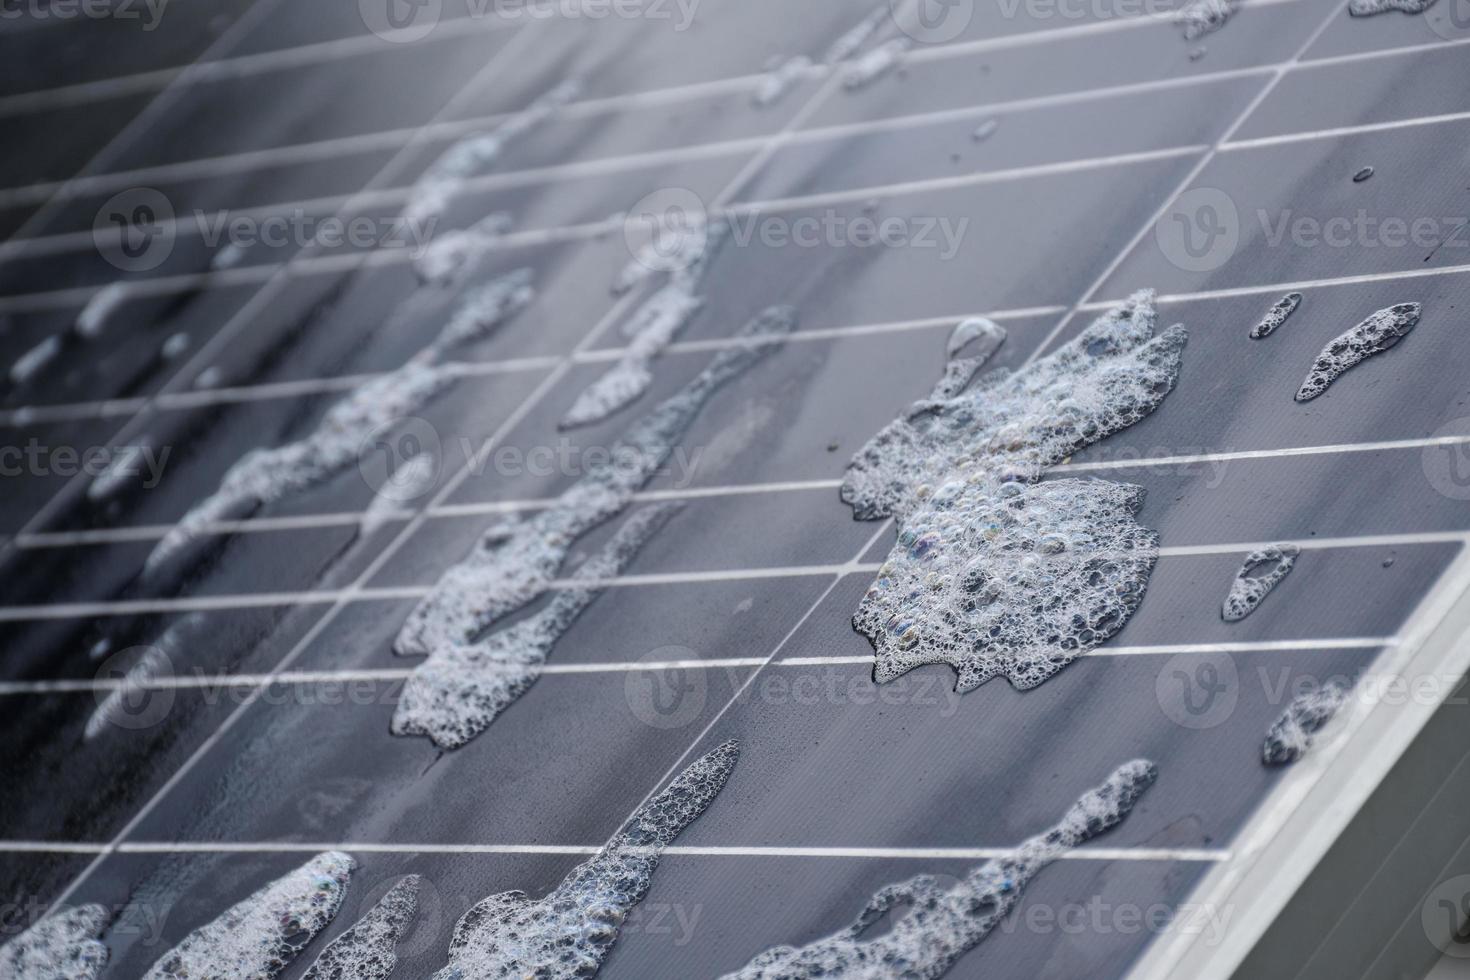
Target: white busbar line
[[393, 675], [1161, 854]]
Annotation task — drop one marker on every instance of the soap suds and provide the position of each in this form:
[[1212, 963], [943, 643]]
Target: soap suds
[[450, 254], [258, 938], [781, 79], [875, 64], [652, 329], [367, 951], [1276, 316], [1368, 8], [63, 946], [994, 573], [1291, 736], [99, 309], [937, 925], [1373, 336], [462, 688], [34, 361], [570, 932], [1248, 591], [446, 178], [852, 41], [1201, 17], [783, 75], [515, 561], [268, 475]]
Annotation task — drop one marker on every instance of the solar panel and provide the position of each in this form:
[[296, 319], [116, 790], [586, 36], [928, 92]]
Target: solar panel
[[257, 447]]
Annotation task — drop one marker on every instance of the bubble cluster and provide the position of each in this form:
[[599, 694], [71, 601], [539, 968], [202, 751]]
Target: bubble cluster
[[569, 933], [1248, 591], [1276, 316], [783, 73], [1291, 736], [63, 946], [367, 951], [1201, 17], [258, 938], [940, 925], [267, 475], [993, 573], [652, 329], [1373, 336], [1016, 581], [447, 176], [450, 254], [514, 562], [462, 688], [1368, 8], [1011, 426]]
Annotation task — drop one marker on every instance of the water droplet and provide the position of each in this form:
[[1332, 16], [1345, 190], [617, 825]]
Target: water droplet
[[1362, 175]]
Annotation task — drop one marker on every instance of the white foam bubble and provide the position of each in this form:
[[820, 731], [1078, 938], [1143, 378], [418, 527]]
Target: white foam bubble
[[1276, 316], [1291, 736], [937, 925], [1368, 8], [991, 574], [368, 950], [445, 258], [1373, 336], [446, 177], [779, 80], [1201, 17], [985, 130], [875, 64], [100, 308], [1248, 591], [462, 688], [34, 361], [569, 933], [267, 475], [175, 346], [652, 328], [63, 946], [515, 561], [259, 937]]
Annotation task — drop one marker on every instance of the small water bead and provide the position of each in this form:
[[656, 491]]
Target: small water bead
[[1362, 175]]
